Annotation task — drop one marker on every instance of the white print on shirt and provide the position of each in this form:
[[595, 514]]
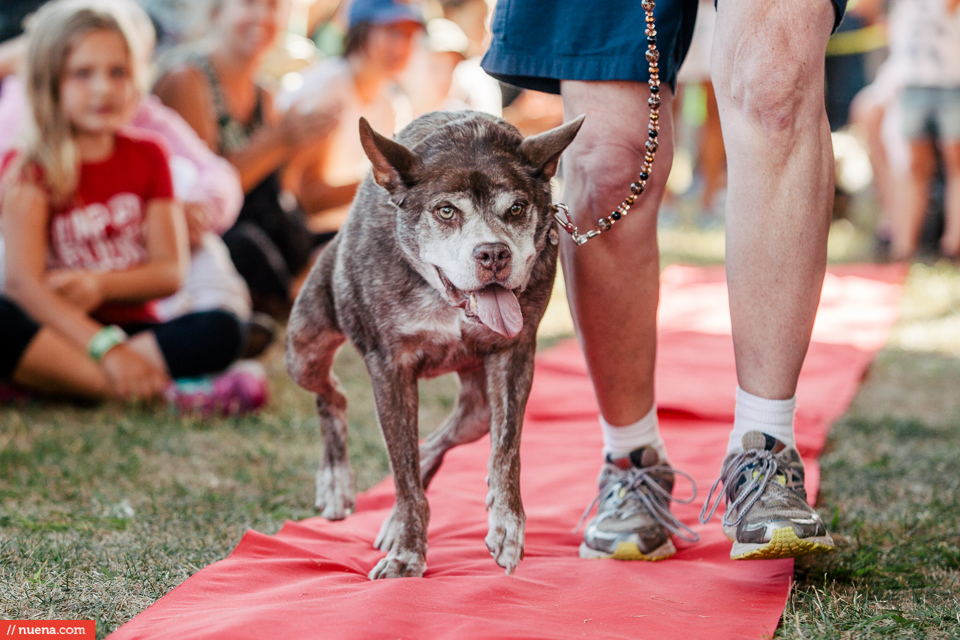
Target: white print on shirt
[[100, 236]]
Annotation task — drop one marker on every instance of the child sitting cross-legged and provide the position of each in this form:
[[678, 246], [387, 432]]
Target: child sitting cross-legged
[[94, 236]]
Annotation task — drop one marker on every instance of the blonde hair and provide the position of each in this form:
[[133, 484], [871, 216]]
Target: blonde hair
[[52, 33]]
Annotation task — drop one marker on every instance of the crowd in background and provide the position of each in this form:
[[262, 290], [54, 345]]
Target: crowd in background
[[252, 107]]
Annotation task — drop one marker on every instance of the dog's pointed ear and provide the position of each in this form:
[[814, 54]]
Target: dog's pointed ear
[[393, 164], [543, 150]]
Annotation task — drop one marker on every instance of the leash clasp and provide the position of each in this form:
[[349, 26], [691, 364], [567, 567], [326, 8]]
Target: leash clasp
[[566, 223]]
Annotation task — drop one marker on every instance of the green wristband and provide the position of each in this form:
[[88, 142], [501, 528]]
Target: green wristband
[[104, 340]]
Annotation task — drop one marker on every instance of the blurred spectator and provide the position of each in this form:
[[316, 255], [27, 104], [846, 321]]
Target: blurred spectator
[[177, 21], [925, 43], [534, 112], [361, 83], [695, 71], [876, 113], [428, 79], [208, 186], [853, 54], [214, 88], [96, 240], [471, 83]]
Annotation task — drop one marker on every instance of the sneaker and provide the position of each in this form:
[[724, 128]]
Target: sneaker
[[767, 513], [633, 520], [240, 389], [261, 333]]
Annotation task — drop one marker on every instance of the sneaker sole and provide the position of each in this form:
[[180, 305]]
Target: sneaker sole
[[783, 544], [629, 551]]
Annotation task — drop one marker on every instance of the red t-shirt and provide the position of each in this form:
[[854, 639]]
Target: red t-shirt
[[103, 228]]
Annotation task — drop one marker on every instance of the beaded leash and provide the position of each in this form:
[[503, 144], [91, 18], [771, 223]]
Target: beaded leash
[[562, 213]]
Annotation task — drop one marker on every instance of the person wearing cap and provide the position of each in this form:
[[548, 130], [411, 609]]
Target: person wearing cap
[[428, 79], [362, 82], [215, 88]]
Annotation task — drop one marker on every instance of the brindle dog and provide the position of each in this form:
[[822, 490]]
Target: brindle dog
[[446, 263]]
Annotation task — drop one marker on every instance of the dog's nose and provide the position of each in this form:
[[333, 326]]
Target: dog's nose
[[493, 256]]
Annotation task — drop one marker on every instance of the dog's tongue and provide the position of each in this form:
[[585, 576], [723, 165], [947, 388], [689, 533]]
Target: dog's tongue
[[499, 309]]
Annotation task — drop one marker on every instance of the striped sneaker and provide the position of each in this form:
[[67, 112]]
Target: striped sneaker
[[767, 513], [633, 520], [239, 390]]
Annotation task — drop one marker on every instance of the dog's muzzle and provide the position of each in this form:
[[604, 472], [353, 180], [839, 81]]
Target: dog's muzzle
[[494, 306]]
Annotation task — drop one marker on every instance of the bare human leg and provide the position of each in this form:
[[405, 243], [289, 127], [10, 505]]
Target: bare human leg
[[950, 242], [914, 199], [613, 282], [52, 364], [768, 70]]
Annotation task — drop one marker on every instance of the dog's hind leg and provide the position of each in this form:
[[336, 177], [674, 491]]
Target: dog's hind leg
[[469, 421], [395, 390], [510, 376]]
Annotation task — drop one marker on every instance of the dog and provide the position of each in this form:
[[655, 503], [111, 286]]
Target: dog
[[445, 263]]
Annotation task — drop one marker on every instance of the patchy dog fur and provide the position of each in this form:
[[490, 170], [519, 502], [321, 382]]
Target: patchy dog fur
[[457, 208]]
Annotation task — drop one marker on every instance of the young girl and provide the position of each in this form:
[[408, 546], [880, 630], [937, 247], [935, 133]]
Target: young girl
[[93, 234]]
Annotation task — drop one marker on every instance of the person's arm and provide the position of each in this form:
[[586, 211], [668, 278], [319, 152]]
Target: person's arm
[[304, 177], [186, 91], [167, 258], [25, 220], [269, 148], [160, 276]]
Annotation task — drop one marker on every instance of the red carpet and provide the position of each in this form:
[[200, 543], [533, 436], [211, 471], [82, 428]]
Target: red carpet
[[309, 580]]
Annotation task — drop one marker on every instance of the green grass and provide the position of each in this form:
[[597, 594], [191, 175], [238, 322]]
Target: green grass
[[891, 486], [104, 510]]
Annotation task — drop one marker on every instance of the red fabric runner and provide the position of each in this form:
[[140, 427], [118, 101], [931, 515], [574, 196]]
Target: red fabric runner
[[309, 580]]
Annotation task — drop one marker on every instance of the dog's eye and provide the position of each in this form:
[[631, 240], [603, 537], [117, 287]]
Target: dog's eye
[[446, 212], [517, 209]]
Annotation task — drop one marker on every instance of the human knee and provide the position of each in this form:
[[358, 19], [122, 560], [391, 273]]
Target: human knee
[[922, 163], [771, 94], [599, 174], [770, 72]]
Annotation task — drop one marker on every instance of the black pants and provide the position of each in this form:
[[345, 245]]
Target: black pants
[[270, 245], [17, 331], [192, 345]]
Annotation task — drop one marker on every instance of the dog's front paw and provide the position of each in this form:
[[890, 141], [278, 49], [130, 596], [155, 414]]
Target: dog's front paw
[[505, 537], [389, 532], [400, 564], [335, 492]]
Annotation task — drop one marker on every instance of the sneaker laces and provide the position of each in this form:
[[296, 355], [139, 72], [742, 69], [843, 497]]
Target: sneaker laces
[[766, 467], [639, 479]]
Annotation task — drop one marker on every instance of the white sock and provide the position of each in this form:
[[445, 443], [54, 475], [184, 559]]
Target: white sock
[[645, 432], [772, 417]]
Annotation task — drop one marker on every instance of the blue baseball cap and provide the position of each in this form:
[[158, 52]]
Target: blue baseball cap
[[383, 12]]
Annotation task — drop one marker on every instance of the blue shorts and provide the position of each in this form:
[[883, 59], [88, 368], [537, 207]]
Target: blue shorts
[[931, 113], [538, 44]]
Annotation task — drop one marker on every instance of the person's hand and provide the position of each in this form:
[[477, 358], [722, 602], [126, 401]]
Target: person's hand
[[131, 376], [199, 220], [81, 288], [301, 126]]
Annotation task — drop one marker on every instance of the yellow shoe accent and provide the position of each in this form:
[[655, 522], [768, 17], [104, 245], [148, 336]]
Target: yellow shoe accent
[[630, 551], [784, 544]]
